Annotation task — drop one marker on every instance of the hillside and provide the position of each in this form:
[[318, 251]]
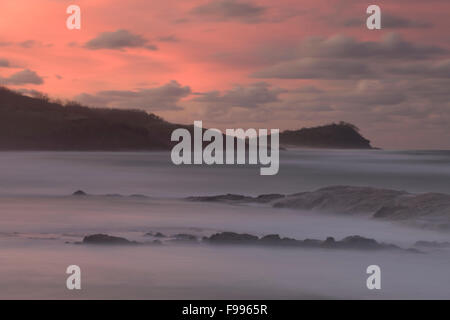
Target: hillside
[[37, 124], [340, 135], [28, 123]]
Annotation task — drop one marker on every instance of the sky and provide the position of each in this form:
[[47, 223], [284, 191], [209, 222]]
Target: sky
[[269, 64]]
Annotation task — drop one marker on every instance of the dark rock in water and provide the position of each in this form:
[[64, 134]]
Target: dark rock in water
[[138, 196], [232, 238], [432, 244], [358, 242], [276, 240], [426, 210], [106, 239], [269, 197], [156, 235], [159, 235], [352, 242], [79, 193], [270, 238], [222, 198], [237, 198]]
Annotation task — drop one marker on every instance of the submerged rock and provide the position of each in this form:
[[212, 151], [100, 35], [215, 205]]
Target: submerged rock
[[155, 234], [79, 193], [159, 235], [358, 242], [352, 242], [237, 198], [105, 239], [269, 197], [222, 198], [424, 210], [231, 238]]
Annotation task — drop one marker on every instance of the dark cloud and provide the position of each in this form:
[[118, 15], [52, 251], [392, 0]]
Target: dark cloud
[[342, 57], [27, 44], [119, 40], [313, 68], [391, 46], [224, 10], [33, 44], [368, 101], [251, 96], [390, 21], [440, 69], [4, 63], [22, 77], [163, 98], [169, 38]]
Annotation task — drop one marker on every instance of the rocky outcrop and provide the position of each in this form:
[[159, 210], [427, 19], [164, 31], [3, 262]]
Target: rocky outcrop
[[244, 239], [231, 238], [229, 197], [155, 234], [427, 209], [341, 199], [79, 193], [352, 242], [237, 198], [104, 239]]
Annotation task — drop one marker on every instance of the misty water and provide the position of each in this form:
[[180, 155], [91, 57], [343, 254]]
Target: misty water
[[40, 220]]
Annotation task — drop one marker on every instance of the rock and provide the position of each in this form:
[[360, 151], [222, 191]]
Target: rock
[[159, 235], [237, 198], [222, 198], [232, 238], [271, 238], [358, 242], [79, 193], [138, 196], [430, 210], [329, 242], [156, 235], [352, 242], [105, 239], [276, 240], [269, 197], [427, 209], [341, 199]]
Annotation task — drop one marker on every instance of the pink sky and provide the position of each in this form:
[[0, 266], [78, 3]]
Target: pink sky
[[243, 63]]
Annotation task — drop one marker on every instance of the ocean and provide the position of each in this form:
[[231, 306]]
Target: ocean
[[40, 221]]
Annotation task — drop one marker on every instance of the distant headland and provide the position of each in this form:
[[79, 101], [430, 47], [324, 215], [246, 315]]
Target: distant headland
[[37, 123]]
